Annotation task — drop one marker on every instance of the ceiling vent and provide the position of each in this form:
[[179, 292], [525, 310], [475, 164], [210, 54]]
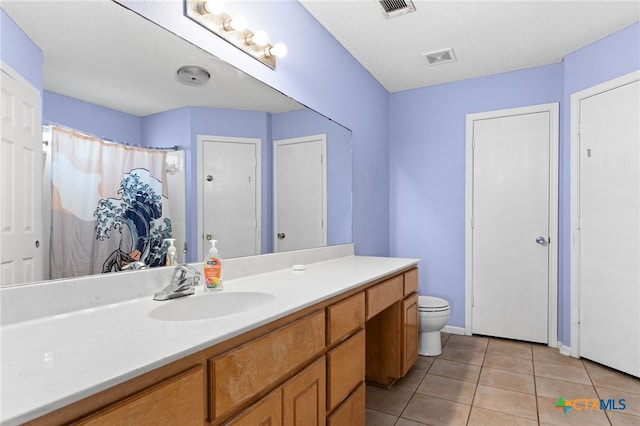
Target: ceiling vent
[[440, 57], [394, 8]]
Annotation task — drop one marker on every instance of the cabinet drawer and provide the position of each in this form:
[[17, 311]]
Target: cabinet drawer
[[351, 412], [344, 317], [410, 282], [177, 400], [345, 369], [238, 375], [384, 295], [268, 411]]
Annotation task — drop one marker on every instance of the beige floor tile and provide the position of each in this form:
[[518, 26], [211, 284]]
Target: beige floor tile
[[506, 401], [390, 401], [509, 363], [551, 388], [444, 337], [450, 389], [457, 353], [631, 401], [436, 411], [507, 380], [547, 354], [483, 417], [474, 343], [424, 362], [411, 380], [510, 348], [550, 414], [376, 418], [609, 378], [618, 418], [406, 422], [561, 372], [455, 370]]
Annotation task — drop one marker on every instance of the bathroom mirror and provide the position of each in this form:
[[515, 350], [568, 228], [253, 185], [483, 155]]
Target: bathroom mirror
[[111, 73]]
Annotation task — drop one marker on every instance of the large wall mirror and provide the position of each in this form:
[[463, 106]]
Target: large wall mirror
[[113, 74]]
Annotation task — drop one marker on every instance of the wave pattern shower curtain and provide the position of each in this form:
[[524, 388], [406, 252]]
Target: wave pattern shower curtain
[[109, 205]]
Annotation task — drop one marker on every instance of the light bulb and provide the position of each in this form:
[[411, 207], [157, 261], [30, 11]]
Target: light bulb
[[279, 51], [215, 7], [237, 23], [260, 38]]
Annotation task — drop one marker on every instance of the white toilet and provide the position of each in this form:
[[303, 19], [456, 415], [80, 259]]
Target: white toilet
[[433, 314]]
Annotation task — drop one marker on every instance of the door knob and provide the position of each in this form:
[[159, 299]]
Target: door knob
[[541, 240], [281, 235], [209, 237]]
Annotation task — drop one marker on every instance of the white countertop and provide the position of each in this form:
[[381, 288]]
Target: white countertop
[[50, 362]]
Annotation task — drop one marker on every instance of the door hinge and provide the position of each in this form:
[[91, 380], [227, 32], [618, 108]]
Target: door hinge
[[473, 301], [473, 223], [473, 143]]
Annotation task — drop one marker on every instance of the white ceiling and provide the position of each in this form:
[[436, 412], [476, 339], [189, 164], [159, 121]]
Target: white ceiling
[[488, 37], [100, 52], [103, 53]]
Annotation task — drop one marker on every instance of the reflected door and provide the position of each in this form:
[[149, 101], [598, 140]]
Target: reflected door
[[231, 195], [300, 193], [21, 181]]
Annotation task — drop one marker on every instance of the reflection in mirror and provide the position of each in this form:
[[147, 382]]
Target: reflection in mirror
[[112, 74]]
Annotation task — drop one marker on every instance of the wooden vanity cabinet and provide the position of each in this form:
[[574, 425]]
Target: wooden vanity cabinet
[[242, 374], [300, 401], [306, 369], [176, 400], [392, 333]]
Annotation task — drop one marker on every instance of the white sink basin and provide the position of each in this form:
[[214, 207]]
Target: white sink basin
[[215, 305]]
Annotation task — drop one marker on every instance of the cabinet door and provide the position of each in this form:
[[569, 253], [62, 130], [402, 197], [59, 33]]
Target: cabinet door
[[351, 412], [178, 400], [303, 397], [266, 412], [410, 332]]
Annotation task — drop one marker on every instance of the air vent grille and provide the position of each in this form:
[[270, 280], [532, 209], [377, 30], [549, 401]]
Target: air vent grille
[[393, 8], [440, 57]]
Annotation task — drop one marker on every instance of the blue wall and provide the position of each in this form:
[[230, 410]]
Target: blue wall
[[427, 137], [427, 172], [20, 53], [91, 118]]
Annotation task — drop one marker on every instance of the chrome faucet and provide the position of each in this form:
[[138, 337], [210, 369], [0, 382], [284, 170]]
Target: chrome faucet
[[183, 282], [135, 266]]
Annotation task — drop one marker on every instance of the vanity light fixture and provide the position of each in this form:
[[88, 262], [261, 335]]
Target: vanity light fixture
[[211, 15]]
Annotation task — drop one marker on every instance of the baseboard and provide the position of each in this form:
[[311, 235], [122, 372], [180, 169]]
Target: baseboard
[[453, 330], [564, 350]]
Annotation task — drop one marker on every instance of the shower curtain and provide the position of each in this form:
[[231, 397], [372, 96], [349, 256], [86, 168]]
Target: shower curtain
[[109, 205]]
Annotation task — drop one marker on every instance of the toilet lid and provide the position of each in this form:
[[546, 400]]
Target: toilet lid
[[431, 302]]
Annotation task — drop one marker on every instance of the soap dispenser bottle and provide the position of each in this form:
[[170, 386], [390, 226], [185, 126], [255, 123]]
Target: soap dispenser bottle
[[171, 253], [213, 268]]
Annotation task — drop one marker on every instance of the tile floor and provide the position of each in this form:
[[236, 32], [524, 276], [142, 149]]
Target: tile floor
[[489, 381]]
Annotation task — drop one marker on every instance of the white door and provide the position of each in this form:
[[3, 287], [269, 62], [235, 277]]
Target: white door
[[511, 205], [229, 178], [300, 193], [609, 223], [20, 181]]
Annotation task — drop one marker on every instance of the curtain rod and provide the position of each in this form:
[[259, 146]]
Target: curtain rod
[[159, 148]]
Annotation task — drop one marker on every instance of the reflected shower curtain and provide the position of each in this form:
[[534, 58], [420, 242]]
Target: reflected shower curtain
[[109, 205]]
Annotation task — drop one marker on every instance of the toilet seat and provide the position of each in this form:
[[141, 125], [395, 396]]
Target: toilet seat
[[432, 304]]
